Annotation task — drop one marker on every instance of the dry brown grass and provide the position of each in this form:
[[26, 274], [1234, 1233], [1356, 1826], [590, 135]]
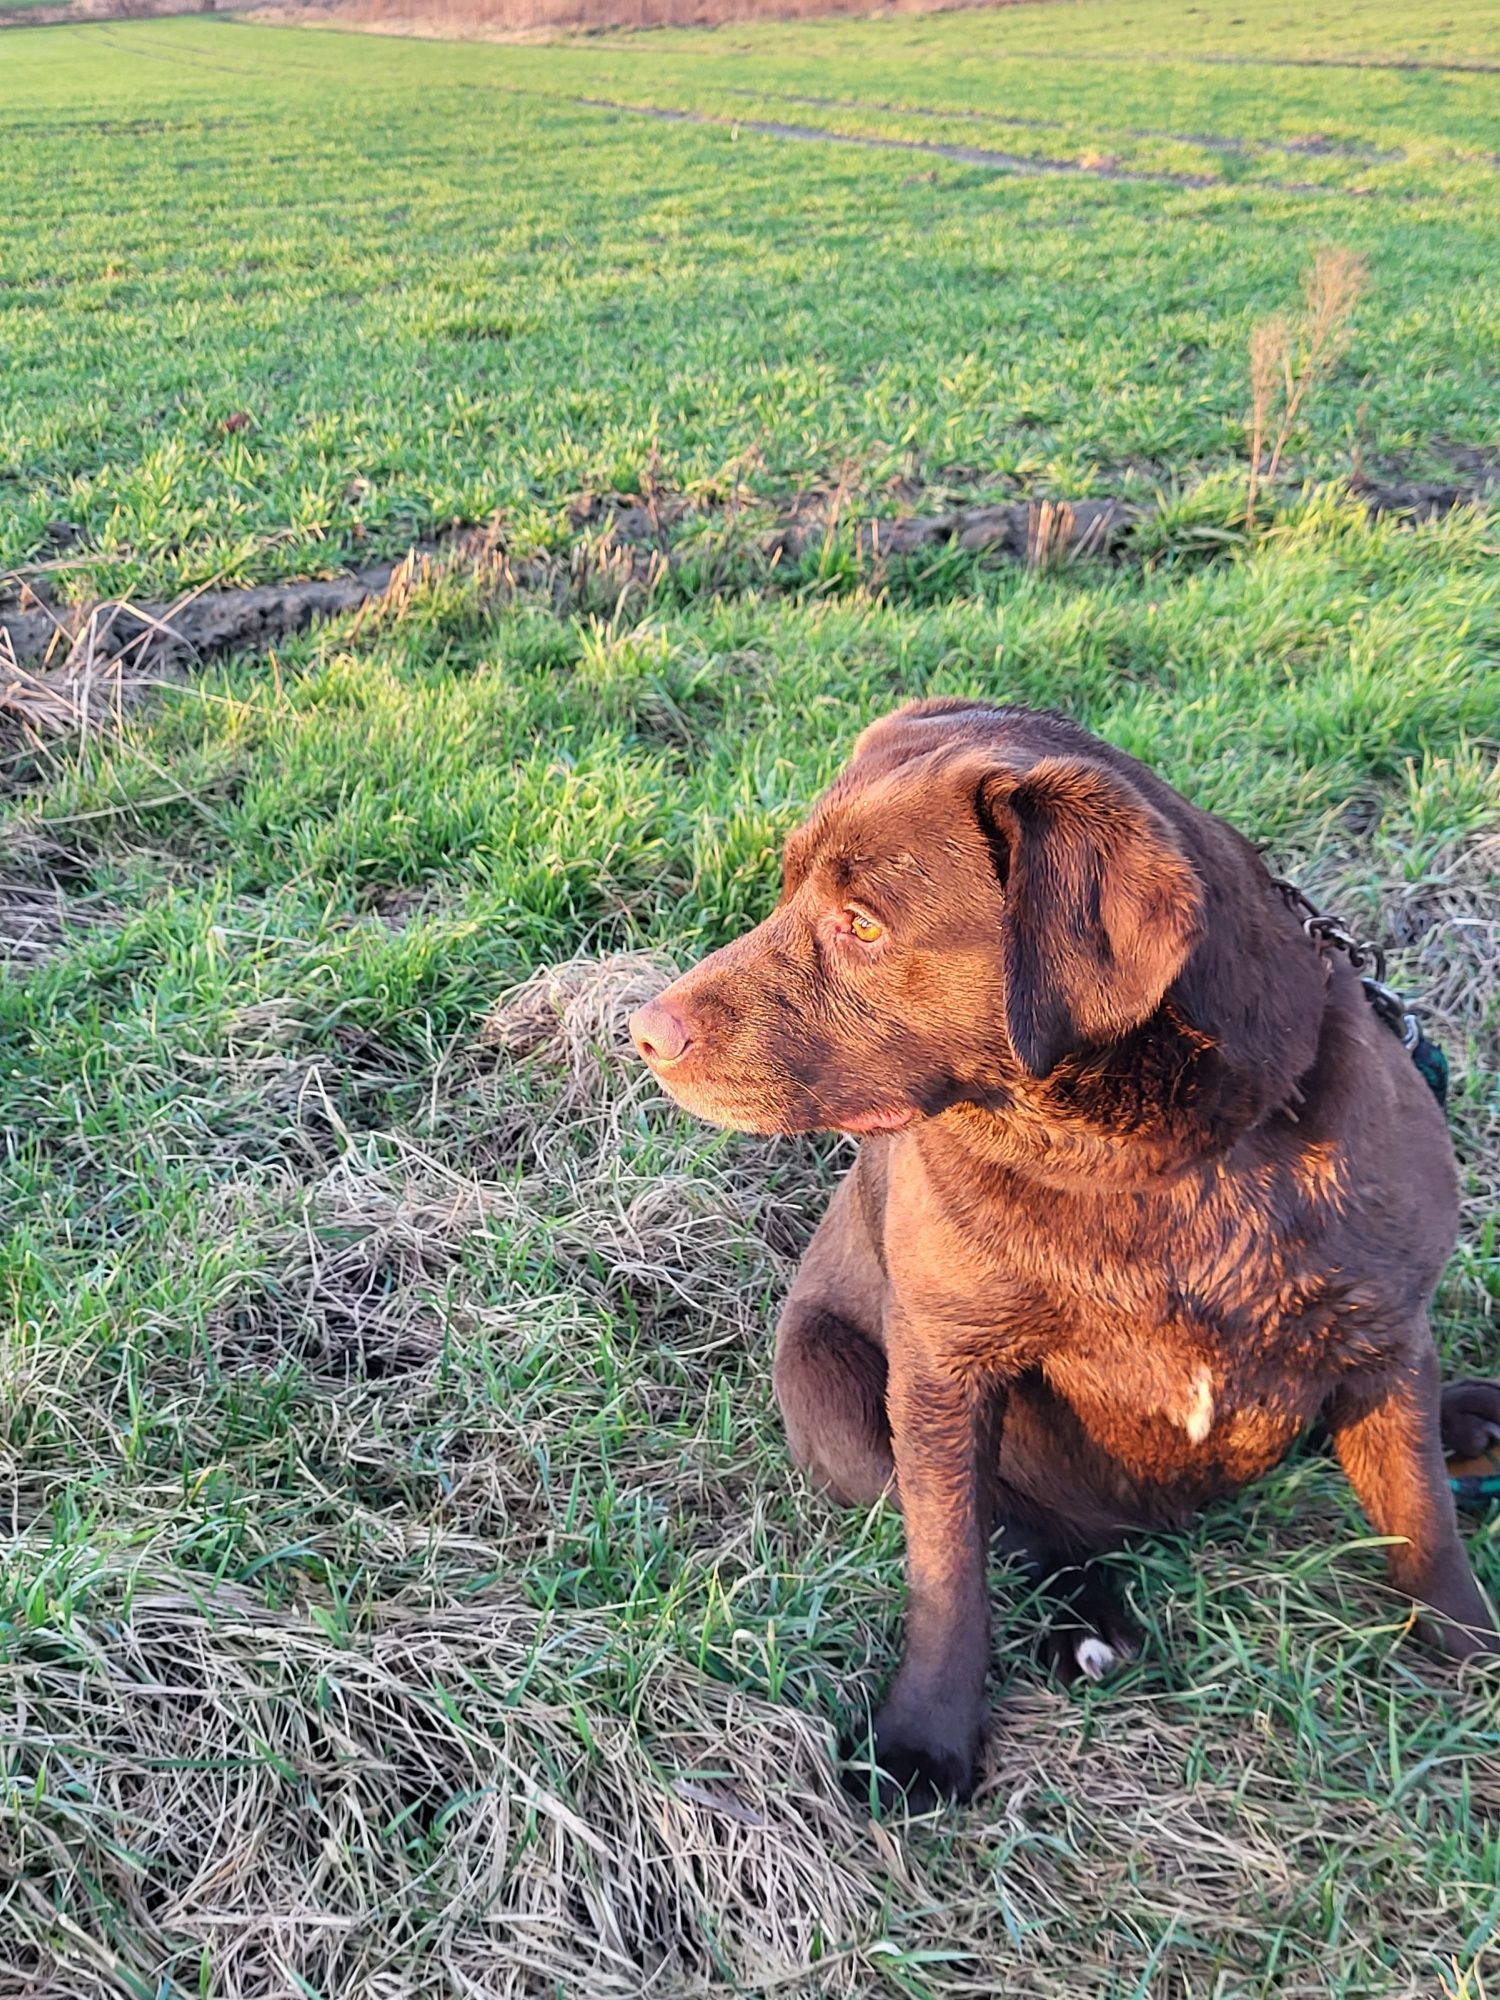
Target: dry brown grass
[[86, 679], [412, 1810], [36, 921], [1288, 361], [436, 1778]]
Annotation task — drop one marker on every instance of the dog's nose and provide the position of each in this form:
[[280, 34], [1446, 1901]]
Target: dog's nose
[[660, 1034]]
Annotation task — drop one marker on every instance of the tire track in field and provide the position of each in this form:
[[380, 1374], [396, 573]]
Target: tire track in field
[[973, 156], [1401, 65], [177, 55], [1313, 147]]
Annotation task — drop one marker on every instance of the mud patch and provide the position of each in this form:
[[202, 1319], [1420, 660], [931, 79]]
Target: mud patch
[[68, 668], [1471, 472], [67, 641], [65, 669]]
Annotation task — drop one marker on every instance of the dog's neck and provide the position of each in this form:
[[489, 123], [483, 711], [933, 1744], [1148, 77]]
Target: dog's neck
[[1233, 1049]]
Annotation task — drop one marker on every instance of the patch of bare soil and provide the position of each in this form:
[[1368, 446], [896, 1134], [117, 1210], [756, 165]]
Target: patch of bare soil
[[71, 641], [1472, 473], [67, 667]]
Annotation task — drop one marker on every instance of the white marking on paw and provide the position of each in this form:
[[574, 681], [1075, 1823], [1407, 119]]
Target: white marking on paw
[[1095, 1658]]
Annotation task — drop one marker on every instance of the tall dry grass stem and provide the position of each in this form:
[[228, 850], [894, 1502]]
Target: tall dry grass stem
[[1287, 362]]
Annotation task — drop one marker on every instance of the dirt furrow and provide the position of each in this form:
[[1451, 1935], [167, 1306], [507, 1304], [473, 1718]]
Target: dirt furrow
[[45, 647], [1156, 59], [60, 664], [212, 621]]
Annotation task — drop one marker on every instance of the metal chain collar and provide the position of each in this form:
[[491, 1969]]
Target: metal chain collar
[[1328, 934]]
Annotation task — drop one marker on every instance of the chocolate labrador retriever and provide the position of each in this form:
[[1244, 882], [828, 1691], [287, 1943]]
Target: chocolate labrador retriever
[[1146, 1186]]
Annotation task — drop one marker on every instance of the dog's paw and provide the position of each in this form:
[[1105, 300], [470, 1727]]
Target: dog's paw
[[921, 1762], [1470, 1418], [1097, 1658], [1092, 1641]]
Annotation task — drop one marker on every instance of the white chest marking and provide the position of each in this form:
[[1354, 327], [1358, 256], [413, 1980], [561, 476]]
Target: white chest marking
[[1196, 1415]]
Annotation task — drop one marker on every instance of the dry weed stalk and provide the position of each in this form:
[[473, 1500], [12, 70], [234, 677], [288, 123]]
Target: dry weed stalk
[[1287, 363], [1049, 527], [1270, 344]]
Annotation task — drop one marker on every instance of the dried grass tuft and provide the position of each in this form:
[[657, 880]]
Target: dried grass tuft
[[86, 687], [575, 1014], [418, 1806], [1287, 362], [36, 921], [414, 1756], [692, 1234]]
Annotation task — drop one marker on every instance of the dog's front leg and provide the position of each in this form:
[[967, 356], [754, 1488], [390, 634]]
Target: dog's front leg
[[1387, 1435], [945, 1437]]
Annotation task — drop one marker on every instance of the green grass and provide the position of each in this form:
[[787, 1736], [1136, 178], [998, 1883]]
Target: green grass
[[405, 1590], [488, 296]]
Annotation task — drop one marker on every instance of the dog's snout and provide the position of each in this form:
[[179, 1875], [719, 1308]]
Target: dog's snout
[[660, 1033]]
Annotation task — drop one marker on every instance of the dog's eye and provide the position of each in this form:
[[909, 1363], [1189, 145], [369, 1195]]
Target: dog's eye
[[864, 928]]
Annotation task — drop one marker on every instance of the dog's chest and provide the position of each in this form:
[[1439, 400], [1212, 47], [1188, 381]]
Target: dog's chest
[[1193, 1330], [1176, 1403], [1202, 1349]]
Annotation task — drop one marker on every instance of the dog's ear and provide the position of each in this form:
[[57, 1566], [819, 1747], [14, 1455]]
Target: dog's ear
[[1102, 906]]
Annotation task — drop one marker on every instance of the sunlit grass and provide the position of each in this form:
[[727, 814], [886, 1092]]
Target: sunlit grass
[[404, 1588]]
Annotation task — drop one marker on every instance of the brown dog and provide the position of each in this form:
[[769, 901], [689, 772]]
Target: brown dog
[[1147, 1186]]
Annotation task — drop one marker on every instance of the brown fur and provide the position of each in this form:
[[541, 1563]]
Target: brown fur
[[1147, 1187]]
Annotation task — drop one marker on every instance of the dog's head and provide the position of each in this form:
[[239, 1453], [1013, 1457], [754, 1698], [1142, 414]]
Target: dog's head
[[983, 894]]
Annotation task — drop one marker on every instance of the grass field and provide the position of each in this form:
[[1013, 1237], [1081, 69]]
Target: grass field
[[404, 1591]]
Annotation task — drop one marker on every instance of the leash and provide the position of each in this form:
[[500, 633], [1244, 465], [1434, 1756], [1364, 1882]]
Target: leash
[[1368, 960], [1329, 935]]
